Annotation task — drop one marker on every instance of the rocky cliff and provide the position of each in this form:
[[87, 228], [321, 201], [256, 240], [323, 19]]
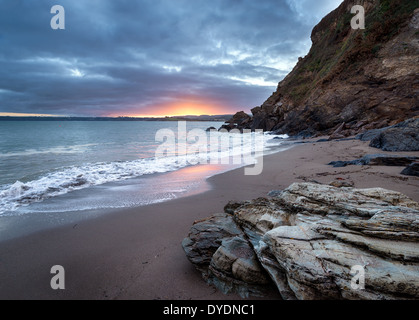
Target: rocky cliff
[[353, 79]]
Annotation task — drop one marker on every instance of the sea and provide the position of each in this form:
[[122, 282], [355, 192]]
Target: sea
[[54, 172]]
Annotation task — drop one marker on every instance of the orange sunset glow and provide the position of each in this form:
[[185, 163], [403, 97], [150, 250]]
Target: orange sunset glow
[[180, 109]]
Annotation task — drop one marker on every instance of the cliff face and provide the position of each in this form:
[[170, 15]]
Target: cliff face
[[363, 78]]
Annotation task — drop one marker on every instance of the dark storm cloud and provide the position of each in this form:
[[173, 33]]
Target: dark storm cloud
[[124, 56]]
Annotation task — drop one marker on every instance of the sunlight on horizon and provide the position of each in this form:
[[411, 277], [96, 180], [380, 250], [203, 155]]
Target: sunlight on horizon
[[179, 109]]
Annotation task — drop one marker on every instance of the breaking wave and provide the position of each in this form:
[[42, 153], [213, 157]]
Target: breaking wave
[[73, 178]]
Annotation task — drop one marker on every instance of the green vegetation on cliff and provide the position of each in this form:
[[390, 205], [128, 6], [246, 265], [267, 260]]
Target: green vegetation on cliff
[[351, 80], [337, 48]]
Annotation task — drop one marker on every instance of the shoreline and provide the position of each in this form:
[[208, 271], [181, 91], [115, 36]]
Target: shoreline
[[136, 253], [55, 212]]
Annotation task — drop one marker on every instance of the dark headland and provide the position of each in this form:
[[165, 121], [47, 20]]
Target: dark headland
[[355, 80]]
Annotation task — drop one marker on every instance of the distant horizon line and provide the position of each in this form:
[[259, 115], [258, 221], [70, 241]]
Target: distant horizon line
[[115, 117], [33, 115], [54, 117]]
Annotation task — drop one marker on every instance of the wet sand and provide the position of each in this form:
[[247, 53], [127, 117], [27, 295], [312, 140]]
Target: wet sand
[[137, 254]]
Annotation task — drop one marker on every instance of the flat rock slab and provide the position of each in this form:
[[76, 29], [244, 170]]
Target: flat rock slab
[[307, 239], [377, 160], [401, 137]]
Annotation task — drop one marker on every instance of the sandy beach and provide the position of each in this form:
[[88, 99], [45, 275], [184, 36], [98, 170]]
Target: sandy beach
[[137, 254]]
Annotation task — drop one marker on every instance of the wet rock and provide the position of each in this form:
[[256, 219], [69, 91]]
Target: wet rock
[[227, 127], [397, 139], [377, 160], [240, 118], [412, 123], [80, 181], [240, 121], [370, 134], [412, 170], [274, 193]]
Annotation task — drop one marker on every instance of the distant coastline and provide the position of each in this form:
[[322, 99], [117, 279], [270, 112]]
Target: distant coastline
[[220, 118]]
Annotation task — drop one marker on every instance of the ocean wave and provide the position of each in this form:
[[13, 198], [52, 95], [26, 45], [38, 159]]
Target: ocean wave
[[54, 150], [74, 178]]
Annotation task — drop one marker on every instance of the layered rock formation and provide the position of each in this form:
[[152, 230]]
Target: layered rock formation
[[351, 80], [307, 241], [310, 240]]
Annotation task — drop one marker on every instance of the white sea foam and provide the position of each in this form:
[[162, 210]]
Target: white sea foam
[[73, 178], [53, 150]]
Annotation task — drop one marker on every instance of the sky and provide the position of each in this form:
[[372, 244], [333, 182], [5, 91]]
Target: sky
[[150, 57]]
